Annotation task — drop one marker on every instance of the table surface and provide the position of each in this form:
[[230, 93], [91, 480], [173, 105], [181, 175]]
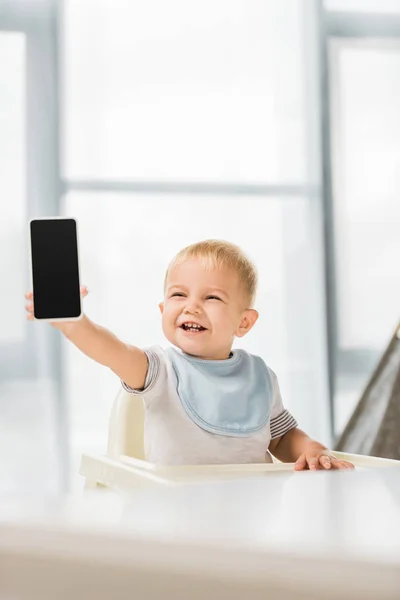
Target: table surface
[[346, 513], [335, 513], [350, 517]]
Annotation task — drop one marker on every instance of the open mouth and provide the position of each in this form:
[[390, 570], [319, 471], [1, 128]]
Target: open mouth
[[192, 327]]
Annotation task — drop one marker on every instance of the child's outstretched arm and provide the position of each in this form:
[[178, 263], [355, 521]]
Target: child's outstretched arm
[[128, 362], [296, 446]]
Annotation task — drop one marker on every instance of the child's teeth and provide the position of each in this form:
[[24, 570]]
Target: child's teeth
[[192, 326]]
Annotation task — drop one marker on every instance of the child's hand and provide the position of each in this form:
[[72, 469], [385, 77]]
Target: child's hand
[[29, 307], [319, 459]]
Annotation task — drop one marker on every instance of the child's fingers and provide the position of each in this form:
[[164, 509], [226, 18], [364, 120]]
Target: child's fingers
[[325, 461], [29, 306], [300, 463], [342, 464], [313, 463]]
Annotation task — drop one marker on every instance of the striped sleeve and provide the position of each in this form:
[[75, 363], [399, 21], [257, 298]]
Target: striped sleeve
[[282, 424], [153, 371], [281, 420]]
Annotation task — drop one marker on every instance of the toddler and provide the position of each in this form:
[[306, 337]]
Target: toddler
[[205, 403]]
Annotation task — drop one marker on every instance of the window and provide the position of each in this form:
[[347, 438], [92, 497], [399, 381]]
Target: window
[[13, 227], [173, 90], [366, 133], [29, 440], [182, 122], [366, 6]]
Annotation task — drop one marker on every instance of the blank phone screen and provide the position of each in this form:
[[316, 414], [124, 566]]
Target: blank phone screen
[[55, 269]]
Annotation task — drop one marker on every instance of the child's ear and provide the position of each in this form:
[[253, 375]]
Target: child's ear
[[249, 317], [161, 307]]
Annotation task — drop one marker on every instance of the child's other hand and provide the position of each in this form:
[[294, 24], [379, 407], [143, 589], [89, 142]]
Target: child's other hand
[[29, 306], [317, 460]]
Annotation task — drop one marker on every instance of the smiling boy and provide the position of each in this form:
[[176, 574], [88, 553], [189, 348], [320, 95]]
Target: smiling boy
[[205, 403]]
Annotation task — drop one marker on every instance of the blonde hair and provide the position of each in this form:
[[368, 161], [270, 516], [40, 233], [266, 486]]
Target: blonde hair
[[219, 253]]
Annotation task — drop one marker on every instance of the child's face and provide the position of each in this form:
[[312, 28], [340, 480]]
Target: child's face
[[212, 300]]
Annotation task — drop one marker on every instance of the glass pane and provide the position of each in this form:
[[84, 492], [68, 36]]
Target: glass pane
[[13, 228], [28, 440], [184, 91], [366, 152], [124, 257], [374, 6], [28, 460]]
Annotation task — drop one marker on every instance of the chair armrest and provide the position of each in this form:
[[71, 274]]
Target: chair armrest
[[119, 474], [125, 473], [359, 460]]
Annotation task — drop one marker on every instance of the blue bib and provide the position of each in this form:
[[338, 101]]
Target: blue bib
[[228, 397]]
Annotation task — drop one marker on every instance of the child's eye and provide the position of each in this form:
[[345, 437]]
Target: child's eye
[[213, 298], [178, 294]]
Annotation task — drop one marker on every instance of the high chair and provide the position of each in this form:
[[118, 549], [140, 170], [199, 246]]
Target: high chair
[[124, 466]]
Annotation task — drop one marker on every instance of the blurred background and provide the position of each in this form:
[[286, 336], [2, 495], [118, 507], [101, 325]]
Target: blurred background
[[274, 124]]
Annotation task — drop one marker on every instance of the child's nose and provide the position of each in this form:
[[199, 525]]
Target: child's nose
[[192, 309]]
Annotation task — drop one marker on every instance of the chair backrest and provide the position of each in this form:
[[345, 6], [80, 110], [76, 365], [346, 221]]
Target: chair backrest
[[126, 428]]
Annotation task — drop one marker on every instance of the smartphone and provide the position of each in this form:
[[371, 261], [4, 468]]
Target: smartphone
[[55, 269]]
